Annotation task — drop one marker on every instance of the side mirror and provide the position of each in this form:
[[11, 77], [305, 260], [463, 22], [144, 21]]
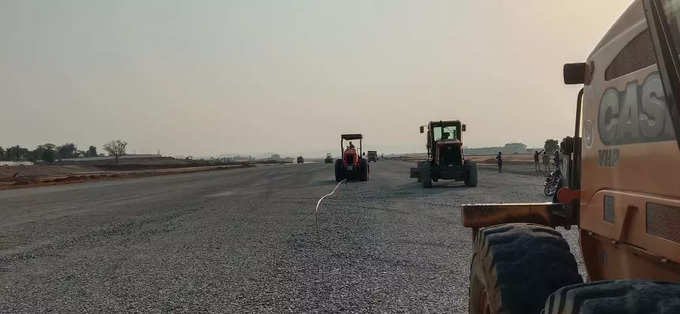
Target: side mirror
[[574, 73], [463, 127], [422, 129]]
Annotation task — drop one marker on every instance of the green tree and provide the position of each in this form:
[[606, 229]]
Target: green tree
[[551, 146], [48, 156], [2, 153], [91, 152], [17, 153], [39, 152], [67, 150], [116, 148]]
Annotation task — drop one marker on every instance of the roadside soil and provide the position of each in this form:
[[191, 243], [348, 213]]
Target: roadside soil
[[39, 175]]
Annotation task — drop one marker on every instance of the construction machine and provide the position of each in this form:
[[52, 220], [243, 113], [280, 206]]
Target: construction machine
[[352, 165], [445, 159], [372, 156], [623, 189]]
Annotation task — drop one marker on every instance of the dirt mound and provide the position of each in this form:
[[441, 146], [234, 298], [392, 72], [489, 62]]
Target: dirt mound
[[8, 172]]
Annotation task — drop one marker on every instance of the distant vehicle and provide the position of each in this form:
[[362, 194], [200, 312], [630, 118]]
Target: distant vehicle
[[372, 156], [300, 160], [352, 166], [445, 155], [328, 159]]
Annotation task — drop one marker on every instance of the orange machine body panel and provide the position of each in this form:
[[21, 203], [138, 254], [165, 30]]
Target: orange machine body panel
[[630, 173]]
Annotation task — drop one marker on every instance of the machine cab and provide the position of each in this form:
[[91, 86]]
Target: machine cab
[[444, 143]]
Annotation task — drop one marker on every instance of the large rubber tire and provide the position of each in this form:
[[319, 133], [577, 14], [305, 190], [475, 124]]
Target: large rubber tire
[[515, 267], [426, 176], [616, 296], [420, 165], [470, 172], [363, 170], [339, 171]]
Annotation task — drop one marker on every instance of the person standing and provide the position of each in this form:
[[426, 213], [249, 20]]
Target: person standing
[[499, 159], [546, 163], [537, 164]]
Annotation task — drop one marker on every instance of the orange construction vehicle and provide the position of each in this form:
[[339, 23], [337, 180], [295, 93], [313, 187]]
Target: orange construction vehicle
[[623, 189], [352, 166]]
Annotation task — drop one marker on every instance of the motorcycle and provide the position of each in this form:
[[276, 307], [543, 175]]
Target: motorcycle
[[552, 183]]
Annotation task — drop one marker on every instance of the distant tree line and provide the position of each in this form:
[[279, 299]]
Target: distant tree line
[[50, 153], [550, 146], [509, 148]]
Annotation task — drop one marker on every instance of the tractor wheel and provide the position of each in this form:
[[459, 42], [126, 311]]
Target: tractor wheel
[[420, 165], [363, 170], [339, 171], [426, 176], [470, 168], [515, 267], [616, 296]]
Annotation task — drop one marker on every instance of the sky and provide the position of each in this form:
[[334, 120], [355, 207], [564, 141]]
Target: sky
[[206, 78]]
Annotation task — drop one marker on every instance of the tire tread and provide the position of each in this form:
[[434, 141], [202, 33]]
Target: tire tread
[[616, 296], [522, 265]]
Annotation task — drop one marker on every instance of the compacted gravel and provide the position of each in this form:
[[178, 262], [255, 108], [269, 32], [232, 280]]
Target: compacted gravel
[[246, 240]]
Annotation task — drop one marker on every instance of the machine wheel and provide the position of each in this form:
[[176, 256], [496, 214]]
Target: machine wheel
[[515, 267], [363, 170], [420, 165], [426, 176], [616, 296], [470, 172], [339, 171]]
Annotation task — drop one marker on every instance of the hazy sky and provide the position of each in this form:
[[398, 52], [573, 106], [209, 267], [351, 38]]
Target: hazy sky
[[212, 77]]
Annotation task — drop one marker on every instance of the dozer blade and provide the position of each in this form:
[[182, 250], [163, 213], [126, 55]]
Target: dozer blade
[[549, 214]]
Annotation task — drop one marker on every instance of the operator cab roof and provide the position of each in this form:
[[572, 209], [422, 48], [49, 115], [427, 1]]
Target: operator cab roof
[[444, 123], [348, 137], [633, 15]]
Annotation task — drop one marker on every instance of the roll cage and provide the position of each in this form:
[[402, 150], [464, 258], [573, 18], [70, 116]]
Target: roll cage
[[349, 137]]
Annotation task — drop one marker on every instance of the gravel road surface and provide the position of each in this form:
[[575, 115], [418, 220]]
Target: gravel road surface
[[245, 240]]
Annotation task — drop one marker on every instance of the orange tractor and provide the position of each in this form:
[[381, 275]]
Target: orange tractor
[[352, 166], [623, 189]]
